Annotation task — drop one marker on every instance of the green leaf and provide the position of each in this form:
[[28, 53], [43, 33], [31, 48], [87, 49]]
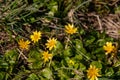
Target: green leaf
[[59, 47], [97, 64], [11, 55], [98, 50], [118, 73], [82, 31], [35, 0], [9, 60], [6, 76], [79, 46], [32, 20], [62, 74], [34, 54], [117, 9], [80, 49], [90, 40], [109, 72], [101, 42], [78, 57], [78, 77], [77, 65], [4, 65], [36, 64], [34, 58], [31, 60], [117, 64], [21, 73], [82, 66], [67, 52], [105, 79], [2, 74], [12, 62], [32, 77], [78, 43], [47, 73]]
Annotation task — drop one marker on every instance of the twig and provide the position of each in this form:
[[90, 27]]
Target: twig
[[113, 3], [116, 25], [21, 54], [99, 22]]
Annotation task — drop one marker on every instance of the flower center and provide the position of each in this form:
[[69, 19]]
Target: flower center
[[36, 36], [52, 43], [93, 72]]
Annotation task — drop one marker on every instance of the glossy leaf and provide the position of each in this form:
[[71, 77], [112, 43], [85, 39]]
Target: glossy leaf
[[109, 72], [46, 73]]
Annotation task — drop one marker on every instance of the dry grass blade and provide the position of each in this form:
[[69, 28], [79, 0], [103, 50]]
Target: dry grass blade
[[112, 26]]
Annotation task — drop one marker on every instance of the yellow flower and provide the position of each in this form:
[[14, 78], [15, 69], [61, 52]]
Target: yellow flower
[[70, 29], [36, 36], [92, 73], [108, 47], [51, 43], [46, 56], [71, 62], [24, 44]]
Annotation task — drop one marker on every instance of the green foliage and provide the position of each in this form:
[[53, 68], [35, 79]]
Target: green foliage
[[32, 77], [73, 53], [7, 64]]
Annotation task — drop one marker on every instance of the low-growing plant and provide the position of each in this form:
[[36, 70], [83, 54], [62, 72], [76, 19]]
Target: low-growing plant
[[49, 47]]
